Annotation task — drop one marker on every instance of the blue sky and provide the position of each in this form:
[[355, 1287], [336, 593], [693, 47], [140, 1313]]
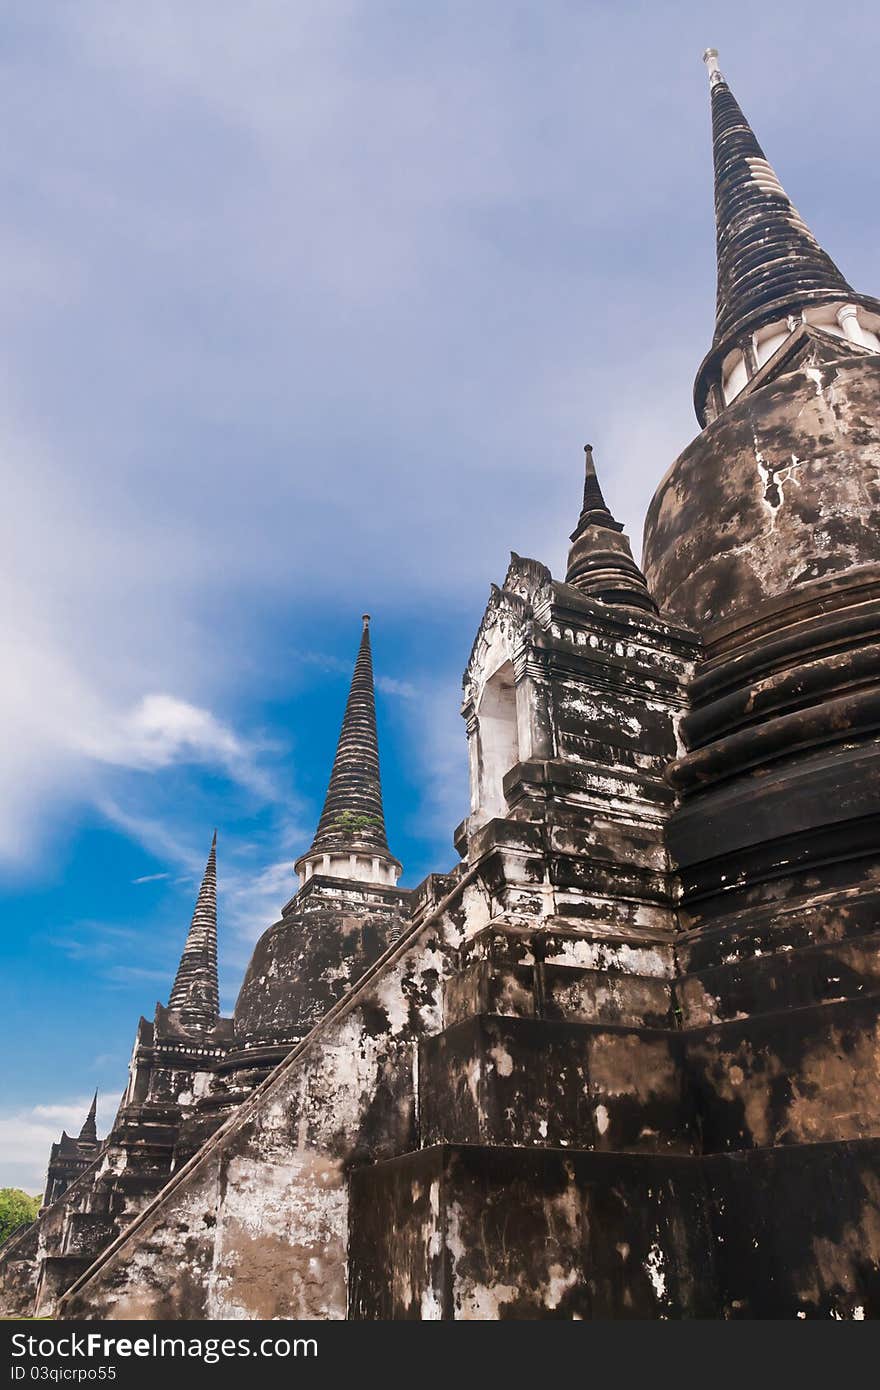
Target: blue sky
[[308, 310]]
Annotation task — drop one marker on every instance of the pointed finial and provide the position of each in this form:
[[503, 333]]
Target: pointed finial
[[89, 1132], [593, 499], [365, 619], [710, 58]]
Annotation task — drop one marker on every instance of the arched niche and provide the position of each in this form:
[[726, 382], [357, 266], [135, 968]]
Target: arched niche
[[497, 742]]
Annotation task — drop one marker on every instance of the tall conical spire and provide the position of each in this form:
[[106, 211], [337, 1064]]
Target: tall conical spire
[[600, 561], [770, 265], [89, 1132], [354, 795], [195, 995], [768, 259], [353, 819]]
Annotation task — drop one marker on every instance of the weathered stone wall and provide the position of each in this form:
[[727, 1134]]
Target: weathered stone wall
[[168, 1074], [559, 1093], [796, 1231], [487, 1233], [18, 1266], [256, 1224]]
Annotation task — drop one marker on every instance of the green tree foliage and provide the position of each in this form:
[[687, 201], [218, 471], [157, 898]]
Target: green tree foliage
[[16, 1208]]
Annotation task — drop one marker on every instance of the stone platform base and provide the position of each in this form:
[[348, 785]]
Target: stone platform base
[[478, 1232]]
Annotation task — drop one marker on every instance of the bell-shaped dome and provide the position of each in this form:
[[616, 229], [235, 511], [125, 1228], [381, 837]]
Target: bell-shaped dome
[[304, 963]]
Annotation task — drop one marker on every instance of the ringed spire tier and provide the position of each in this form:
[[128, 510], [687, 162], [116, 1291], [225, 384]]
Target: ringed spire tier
[[195, 994], [350, 841], [772, 273]]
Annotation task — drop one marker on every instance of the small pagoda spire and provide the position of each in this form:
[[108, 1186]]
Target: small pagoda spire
[[353, 819], [89, 1132], [595, 506], [195, 995], [600, 561], [770, 265]]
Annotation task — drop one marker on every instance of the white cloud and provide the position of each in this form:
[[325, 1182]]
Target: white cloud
[[27, 1134], [150, 878], [162, 730]]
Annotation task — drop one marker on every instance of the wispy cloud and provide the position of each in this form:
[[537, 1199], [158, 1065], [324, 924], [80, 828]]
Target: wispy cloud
[[391, 686], [158, 836], [162, 730], [253, 900], [324, 661], [150, 878], [134, 974], [334, 665], [95, 941]]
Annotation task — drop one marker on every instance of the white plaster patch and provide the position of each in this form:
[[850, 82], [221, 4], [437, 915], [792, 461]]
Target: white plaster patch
[[558, 1284], [473, 1081], [432, 1310], [390, 996], [502, 1059], [482, 1304], [655, 1270]]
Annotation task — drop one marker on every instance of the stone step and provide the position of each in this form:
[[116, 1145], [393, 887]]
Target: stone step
[[562, 975], [480, 1232], [562, 993], [790, 923], [57, 1273], [583, 947], [796, 1076], [520, 1081], [458, 1232], [769, 980], [86, 1235]]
